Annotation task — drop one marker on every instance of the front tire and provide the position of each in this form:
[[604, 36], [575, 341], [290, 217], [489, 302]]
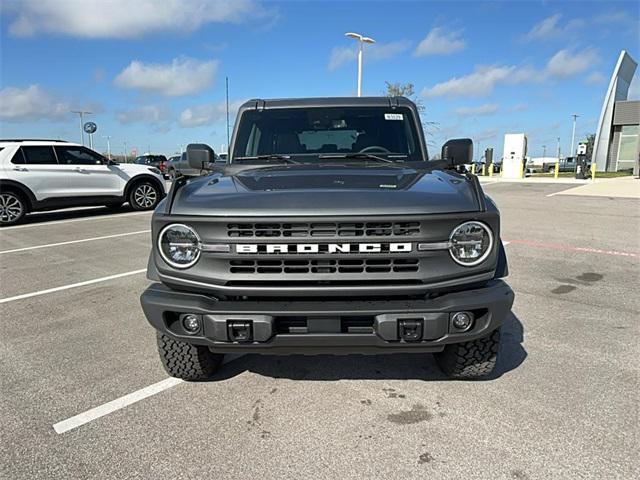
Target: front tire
[[188, 362], [12, 208], [469, 360], [144, 195]]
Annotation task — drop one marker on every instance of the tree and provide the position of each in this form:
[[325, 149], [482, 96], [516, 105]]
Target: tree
[[407, 90], [591, 140]]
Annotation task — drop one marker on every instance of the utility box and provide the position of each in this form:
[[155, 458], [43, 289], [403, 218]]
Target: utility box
[[514, 155]]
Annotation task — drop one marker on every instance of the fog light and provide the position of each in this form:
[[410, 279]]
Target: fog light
[[191, 323], [461, 321]]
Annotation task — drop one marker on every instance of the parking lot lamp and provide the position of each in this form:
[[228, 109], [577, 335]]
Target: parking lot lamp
[[573, 135], [361, 41], [108, 137]]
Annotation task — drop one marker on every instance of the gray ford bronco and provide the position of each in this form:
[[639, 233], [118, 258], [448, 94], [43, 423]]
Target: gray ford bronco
[[328, 231]]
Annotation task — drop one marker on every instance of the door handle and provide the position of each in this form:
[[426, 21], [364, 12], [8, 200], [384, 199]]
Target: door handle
[[20, 169], [80, 170]]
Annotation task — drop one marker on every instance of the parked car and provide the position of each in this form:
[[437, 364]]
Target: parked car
[[158, 161], [317, 240], [37, 175], [178, 166], [567, 164]]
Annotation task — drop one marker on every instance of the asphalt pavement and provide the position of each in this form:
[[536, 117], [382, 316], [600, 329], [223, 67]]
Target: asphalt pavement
[[562, 404]]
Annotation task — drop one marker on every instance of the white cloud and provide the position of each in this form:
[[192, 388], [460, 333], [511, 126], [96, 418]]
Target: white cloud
[[150, 114], [31, 103], [208, 113], [125, 18], [520, 107], [372, 52], [486, 109], [440, 42], [183, 76], [567, 64], [484, 79], [477, 84], [596, 78], [551, 28]]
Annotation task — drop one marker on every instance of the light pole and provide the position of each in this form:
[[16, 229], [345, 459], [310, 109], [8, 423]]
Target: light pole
[[573, 134], [125, 153], [82, 114], [544, 151], [558, 148], [361, 41], [108, 137]]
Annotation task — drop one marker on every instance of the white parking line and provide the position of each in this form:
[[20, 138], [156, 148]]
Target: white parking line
[[84, 219], [74, 241], [73, 285], [117, 404]]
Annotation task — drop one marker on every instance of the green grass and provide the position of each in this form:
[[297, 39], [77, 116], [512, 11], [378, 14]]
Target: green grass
[[625, 173]]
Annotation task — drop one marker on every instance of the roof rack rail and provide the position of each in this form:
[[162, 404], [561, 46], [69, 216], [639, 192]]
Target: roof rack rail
[[33, 140]]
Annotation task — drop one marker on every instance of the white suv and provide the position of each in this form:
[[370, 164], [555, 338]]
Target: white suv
[[38, 175]]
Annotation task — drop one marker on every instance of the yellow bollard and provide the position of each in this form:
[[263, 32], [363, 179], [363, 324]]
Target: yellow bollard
[[521, 169], [557, 171], [491, 170], [473, 168], [484, 169], [593, 171]]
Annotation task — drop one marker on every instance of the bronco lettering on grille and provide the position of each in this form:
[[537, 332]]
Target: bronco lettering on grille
[[280, 248]]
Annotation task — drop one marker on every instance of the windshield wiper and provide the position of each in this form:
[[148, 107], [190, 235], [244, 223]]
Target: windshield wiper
[[273, 156], [366, 156]]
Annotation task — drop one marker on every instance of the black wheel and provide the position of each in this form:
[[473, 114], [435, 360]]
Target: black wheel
[[552, 170], [469, 360], [114, 206], [144, 195], [12, 208], [186, 361]]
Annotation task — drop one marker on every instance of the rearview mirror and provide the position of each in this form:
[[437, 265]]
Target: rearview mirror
[[458, 151], [200, 156]]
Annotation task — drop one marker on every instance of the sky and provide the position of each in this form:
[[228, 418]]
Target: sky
[[153, 71]]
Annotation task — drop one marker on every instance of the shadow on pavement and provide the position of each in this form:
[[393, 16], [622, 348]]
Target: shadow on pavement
[[41, 217], [371, 367]]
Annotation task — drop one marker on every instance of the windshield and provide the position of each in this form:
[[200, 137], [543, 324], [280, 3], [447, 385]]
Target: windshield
[[328, 132]]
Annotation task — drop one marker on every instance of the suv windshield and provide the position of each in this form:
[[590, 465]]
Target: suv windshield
[[327, 133]]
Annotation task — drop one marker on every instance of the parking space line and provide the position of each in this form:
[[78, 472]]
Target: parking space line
[[114, 405], [571, 248], [58, 222], [74, 241], [73, 285]]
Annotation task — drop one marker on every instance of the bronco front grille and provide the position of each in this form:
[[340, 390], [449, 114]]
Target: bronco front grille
[[369, 265], [324, 229]]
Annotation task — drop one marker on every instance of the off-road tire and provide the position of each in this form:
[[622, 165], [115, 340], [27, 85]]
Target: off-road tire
[[144, 195], [469, 360], [188, 362]]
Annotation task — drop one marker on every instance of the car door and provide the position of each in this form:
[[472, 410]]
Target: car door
[[36, 167], [93, 174]]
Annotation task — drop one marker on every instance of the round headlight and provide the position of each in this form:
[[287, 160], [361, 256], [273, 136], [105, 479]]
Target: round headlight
[[471, 243], [179, 245]]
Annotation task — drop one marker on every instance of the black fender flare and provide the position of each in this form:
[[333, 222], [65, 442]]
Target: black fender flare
[[502, 268], [26, 191], [137, 179]]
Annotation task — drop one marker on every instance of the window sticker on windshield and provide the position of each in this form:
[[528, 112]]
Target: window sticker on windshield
[[393, 116]]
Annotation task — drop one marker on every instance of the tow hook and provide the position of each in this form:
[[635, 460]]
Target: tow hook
[[410, 329], [239, 330]]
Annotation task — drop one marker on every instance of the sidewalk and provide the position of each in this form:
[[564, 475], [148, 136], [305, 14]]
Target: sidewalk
[[621, 187], [561, 180]]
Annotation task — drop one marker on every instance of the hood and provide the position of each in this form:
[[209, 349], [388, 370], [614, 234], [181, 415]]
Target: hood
[[298, 190], [134, 168]]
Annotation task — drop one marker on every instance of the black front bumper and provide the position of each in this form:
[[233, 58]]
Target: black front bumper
[[327, 326]]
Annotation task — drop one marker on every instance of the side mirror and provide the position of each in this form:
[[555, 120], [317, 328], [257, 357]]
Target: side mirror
[[199, 156], [458, 151]]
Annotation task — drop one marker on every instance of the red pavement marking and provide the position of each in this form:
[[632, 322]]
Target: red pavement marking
[[570, 248]]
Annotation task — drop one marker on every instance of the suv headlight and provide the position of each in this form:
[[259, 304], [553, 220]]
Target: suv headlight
[[179, 245], [471, 243]]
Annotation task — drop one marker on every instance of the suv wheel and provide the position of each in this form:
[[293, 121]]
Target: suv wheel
[[186, 361], [144, 196], [12, 208], [470, 360]]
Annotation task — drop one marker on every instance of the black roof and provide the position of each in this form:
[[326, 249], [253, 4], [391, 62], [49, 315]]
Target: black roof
[[259, 103]]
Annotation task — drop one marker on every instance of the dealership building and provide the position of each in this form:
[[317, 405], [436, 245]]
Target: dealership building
[[617, 143]]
